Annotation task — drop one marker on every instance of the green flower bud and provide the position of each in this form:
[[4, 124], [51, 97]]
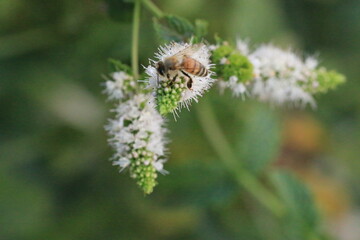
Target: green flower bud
[[229, 62], [326, 80], [168, 97]]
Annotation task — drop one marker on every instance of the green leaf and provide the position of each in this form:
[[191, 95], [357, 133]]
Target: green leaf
[[201, 28], [119, 66], [174, 28], [302, 218], [180, 25], [259, 142], [165, 32]]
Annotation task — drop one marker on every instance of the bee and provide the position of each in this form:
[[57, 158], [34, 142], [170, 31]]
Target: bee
[[183, 62]]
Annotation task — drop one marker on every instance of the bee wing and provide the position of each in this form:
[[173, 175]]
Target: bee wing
[[189, 50]]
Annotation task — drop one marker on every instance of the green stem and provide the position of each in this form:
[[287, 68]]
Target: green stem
[[135, 40], [221, 146], [153, 8]]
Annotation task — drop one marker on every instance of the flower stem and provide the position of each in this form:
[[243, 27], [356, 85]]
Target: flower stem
[[153, 8], [135, 40], [221, 146]]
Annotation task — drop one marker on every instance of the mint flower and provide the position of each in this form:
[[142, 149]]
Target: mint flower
[[270, 74], [136, 132], [178, 87], [120, 85], [282, 77]]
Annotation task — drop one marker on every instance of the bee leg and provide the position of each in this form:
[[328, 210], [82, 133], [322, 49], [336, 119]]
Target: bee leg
[[190, 81], [189, 84], [172, 81]]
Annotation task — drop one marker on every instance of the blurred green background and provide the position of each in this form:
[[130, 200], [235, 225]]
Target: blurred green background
[[55, 178]]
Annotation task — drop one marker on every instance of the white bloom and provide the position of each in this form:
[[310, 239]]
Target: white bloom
[[119, 85], [212, 47], [123, 163], [139, 144], [243, 46], [238, 88], [137, 133], [200, 53], [311, 62], [159, 166], [223, 61], [280, 76]]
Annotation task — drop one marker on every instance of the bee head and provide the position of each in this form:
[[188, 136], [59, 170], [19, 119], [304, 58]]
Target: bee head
[[160, 67]]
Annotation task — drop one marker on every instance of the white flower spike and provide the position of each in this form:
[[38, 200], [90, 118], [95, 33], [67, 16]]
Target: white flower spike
[[137, 133], [281, 77]]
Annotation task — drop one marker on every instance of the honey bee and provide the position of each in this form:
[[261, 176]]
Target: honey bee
[[183, 62]]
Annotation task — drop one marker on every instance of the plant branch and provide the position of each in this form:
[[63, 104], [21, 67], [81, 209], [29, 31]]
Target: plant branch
[[135, 40], [221, 146], [214, 134], [153, 8]]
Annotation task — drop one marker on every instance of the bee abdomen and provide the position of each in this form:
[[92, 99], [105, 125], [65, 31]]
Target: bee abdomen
[[199, 69], [194, 67], [202, 71]]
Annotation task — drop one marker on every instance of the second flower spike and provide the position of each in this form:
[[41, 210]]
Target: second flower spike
[[181, 73]]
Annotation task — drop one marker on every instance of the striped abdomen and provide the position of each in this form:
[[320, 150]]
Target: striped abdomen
[[194, 67]]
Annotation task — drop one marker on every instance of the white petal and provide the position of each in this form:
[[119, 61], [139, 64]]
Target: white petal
[[123, 163], [159, 166]]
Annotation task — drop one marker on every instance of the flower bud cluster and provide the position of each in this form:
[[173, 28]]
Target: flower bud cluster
[[232, 67], [324, 80], [169, 94]]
